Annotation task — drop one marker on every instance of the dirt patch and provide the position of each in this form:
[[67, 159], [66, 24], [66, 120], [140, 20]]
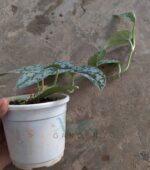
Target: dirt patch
[[40, 22], [38, 25], [14, 9]]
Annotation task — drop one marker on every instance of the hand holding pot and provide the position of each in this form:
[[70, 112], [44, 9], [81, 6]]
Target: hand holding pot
[[4, 156]]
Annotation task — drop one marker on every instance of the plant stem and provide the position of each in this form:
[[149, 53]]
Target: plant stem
[[132, 46], [43, 84], [56, 77], [38, 87], [73, 79], [133, 35]]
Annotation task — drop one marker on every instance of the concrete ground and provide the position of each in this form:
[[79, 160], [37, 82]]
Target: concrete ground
[[106, 130]]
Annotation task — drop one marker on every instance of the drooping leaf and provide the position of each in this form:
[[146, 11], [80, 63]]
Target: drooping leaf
[[100, 55], [129, 15], [108, 62], [119, 38], [95, 75], [132, 18], [132, 40]]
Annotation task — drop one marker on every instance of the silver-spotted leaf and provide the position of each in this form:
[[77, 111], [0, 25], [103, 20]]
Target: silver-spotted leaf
[[33, 74], [95, 75], [61, 64], [36, 68]]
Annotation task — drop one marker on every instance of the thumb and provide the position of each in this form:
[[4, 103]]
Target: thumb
[[3, 107]]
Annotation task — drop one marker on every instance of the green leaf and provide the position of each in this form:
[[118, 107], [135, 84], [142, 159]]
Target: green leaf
[[53, 89], [100, 55], [95, 75], [132, 41], [119, 38], [132, 18], [111, 61], [129, 15]]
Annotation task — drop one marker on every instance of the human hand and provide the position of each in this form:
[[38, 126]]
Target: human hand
[[4, 155], [3, 107]]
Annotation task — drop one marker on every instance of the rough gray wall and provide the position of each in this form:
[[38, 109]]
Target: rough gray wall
[[109, 130]]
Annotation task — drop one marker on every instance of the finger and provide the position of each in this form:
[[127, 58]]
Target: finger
[[3, 107]]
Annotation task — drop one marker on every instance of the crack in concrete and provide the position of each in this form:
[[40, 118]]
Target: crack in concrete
[[53, 7], [82, 7]]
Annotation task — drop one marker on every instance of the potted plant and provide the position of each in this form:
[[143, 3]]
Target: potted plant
[[35, 124]]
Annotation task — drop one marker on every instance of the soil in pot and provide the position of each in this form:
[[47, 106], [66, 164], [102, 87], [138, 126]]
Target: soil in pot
[[30, 101]]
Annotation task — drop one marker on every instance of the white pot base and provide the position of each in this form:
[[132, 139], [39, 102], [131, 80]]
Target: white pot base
[[32, 166]]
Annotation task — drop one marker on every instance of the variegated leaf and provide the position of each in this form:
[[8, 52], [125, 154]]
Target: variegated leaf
[[95, 75], [62, 65], [33, 74]]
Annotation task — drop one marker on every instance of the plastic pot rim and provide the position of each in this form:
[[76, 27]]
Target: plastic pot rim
[[38, 105]]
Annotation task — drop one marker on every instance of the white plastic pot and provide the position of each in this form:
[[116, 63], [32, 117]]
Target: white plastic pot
[[35, 133]]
